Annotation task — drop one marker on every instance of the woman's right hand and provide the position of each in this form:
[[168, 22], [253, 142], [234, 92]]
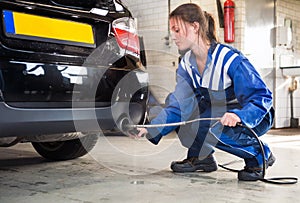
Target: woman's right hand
[[141, 133], [230, 119]]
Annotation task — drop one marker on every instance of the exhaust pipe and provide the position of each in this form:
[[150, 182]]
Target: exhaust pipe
[[126, 121], [125, 125]]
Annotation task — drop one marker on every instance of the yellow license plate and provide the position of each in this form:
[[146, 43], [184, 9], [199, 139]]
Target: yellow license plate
[[34, 27]]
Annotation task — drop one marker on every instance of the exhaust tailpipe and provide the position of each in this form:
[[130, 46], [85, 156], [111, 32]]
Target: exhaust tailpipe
[[126, 126]]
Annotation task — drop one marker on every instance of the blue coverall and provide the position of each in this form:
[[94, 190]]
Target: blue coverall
[[229, 83]]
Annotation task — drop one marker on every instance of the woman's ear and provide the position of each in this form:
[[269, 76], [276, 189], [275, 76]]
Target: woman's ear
[[196, 26]]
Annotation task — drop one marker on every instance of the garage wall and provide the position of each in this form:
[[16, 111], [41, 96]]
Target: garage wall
[[287, 55], [162, 59]]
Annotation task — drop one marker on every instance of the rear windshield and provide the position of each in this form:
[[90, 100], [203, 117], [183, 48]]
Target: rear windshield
[[106, 4]]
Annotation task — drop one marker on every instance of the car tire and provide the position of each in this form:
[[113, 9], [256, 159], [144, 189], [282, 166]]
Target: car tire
[[66, 150]]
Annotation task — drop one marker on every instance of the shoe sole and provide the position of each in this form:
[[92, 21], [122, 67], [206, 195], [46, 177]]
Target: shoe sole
[[202, 167]]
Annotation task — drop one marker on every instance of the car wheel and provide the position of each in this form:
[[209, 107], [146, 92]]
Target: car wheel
[[65, 150]]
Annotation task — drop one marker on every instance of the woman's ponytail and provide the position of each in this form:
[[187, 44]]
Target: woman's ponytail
[[211, 30]]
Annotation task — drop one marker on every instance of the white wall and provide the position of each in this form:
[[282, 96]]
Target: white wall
[[162, 59], [287, 56]]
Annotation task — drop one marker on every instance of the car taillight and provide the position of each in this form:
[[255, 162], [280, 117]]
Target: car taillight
[[126, 34]]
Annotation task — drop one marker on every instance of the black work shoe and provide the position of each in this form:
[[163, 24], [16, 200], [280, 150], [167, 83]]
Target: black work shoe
[[253, 174], [193, 164], [250, 174]]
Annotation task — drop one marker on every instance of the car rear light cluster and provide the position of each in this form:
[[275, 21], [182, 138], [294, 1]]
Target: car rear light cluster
[[126, 34]]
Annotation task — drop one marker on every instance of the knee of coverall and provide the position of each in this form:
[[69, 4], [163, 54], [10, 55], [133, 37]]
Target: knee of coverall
[[187, 135], [265, 125]]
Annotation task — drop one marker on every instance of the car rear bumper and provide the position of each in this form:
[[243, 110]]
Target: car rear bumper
[[26, 122]]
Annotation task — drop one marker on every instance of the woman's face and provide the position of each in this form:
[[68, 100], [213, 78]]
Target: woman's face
[[184, 34]]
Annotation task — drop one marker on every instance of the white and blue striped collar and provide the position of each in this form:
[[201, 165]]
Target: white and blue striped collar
[[214, 77]]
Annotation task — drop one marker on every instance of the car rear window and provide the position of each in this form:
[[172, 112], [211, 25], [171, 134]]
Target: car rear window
[[107, 4]]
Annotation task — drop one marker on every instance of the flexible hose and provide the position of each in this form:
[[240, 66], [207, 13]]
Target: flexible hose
[[276, 180]]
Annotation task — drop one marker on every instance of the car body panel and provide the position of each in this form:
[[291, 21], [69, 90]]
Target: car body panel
[[58, 84]]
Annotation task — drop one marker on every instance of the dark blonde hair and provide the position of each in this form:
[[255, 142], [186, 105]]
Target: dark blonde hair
[[193, 13]]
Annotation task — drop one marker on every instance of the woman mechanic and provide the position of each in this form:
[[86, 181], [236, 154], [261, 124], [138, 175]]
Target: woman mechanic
[[214, 80]]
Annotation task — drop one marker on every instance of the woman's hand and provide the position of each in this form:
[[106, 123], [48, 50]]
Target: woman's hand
[[141, 133], [230, 119]]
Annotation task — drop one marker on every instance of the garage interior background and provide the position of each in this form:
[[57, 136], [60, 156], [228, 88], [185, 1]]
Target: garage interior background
[[266, 31]]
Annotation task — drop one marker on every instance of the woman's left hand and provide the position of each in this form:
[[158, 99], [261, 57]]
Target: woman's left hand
[[230, 119]]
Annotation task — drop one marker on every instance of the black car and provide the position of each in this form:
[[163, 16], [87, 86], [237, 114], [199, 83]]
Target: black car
[[68, 70]]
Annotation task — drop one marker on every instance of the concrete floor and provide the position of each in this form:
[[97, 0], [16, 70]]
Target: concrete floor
[[120, 169]]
